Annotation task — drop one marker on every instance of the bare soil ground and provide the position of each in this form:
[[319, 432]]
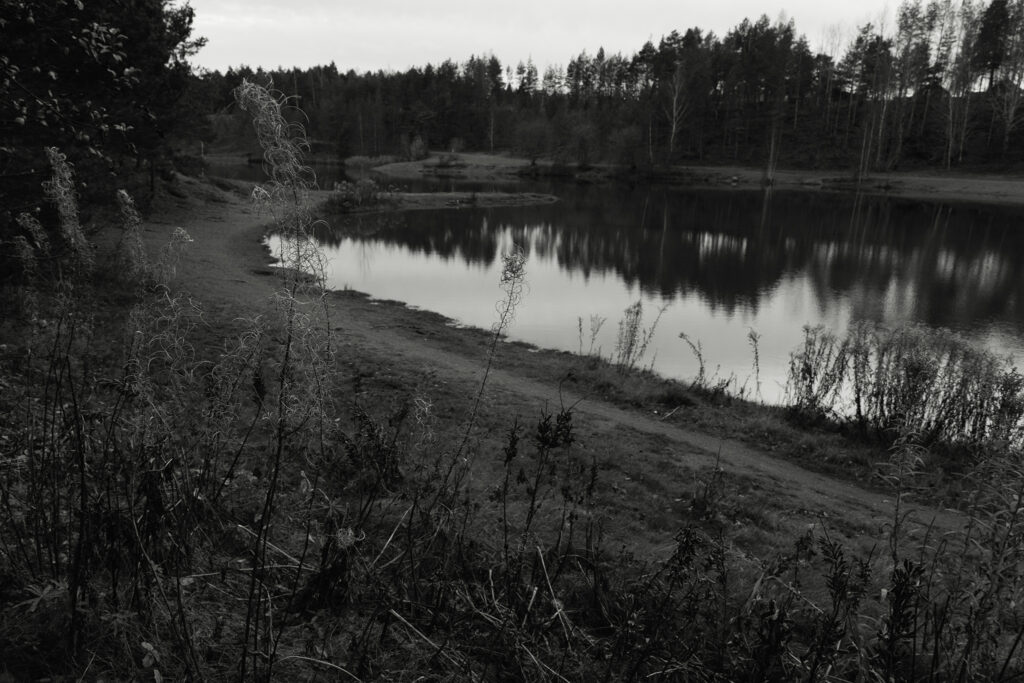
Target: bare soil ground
[[659, 468]]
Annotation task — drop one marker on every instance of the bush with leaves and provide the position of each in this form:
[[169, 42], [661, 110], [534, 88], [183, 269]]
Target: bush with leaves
[[92, 80]]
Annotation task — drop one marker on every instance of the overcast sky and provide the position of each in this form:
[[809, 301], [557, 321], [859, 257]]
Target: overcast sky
[[397, 34]]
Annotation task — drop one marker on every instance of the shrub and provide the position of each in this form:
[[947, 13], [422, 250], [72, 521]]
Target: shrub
[[632, 340], [349, 196]]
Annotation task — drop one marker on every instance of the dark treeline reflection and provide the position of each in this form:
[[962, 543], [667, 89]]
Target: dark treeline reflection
[[947, 265]]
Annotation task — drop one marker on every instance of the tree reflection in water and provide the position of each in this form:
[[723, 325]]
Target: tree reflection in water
[[724, 261]]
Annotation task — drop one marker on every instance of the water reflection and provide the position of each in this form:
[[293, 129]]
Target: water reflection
[[723, 260], [944, 265]]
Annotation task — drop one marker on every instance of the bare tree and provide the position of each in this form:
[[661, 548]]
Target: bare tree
[[677, 104], [1007, 94]]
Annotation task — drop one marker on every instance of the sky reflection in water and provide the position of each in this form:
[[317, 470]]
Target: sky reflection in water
[[722, 262]]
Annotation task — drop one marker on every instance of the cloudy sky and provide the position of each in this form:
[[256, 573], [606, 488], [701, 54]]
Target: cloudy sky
[[397, 34]]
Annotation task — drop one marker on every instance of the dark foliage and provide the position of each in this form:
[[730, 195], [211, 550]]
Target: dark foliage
[[98, 80], [759, 95]]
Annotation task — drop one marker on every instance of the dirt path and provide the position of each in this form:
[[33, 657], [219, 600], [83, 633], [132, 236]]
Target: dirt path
[[673, 452], [650, 466]]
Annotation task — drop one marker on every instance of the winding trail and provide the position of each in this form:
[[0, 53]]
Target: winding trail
[[675, 451]]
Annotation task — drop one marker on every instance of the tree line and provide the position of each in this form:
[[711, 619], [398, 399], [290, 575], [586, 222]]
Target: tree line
[[941, 87]]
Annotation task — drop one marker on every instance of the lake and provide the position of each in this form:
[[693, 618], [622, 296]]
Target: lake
[[717, 263]]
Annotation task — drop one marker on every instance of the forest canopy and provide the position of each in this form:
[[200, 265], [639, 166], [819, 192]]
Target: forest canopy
[[942, 87]]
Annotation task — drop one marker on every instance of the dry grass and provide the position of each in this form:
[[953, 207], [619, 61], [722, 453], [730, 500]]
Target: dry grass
[[930, 385]]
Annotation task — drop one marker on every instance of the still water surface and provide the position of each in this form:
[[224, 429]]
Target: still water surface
[[719, 262]]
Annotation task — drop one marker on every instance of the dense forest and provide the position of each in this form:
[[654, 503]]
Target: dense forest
[[941, 87]]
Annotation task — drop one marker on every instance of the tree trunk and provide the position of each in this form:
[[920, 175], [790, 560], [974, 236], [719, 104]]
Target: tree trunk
[[924, 114], [865, 150], [963, 129], [362, 140], [650, 140], [773, 154], [881, 132], [950, 116]]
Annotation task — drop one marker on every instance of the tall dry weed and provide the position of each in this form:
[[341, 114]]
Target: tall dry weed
[[633, 339], [513, 285], [911, 380], [60, 191], [301, 405], [132, 261]]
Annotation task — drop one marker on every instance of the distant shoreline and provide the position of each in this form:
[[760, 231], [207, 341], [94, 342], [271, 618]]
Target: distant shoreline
[[924, 185], [482, 167], [412, 201]]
